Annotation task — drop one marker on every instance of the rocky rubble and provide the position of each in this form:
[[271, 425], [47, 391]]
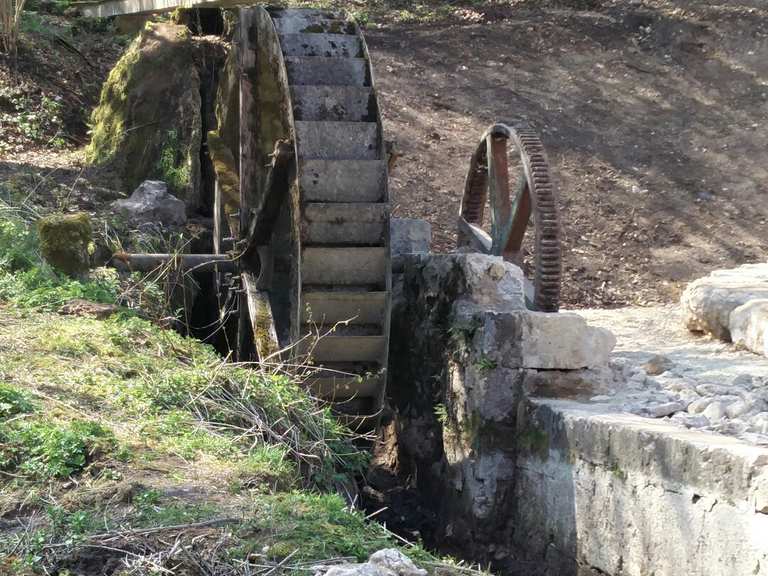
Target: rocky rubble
[[661, 371], [387, 562]]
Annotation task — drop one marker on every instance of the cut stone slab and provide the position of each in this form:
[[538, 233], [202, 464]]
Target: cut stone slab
[[151, 203], [563, 341], [708, 302], [748, 325]]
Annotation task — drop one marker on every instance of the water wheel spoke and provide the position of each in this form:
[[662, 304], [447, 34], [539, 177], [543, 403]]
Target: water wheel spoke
[[498, 188], [534, 201], [518, 223]]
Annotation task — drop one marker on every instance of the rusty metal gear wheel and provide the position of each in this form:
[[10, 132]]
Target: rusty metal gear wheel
[[488, 182]]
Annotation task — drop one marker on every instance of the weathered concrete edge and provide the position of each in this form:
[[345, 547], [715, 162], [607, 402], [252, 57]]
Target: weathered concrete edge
[[617, 494], [620, 429]]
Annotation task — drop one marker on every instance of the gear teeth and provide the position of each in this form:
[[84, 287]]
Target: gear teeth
[[546, 214]]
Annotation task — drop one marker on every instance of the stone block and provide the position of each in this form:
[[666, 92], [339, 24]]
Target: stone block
[[708, 302], [563, 341], [748, 325], [65, 240]]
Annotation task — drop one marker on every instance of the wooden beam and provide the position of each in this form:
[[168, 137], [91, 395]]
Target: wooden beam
[[107, 8]]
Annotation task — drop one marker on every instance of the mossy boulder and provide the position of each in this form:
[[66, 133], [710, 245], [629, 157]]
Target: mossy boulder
[[148, 123], [65, 240]]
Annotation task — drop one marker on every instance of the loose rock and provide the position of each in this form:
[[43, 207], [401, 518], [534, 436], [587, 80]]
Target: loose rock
[[714, 412], [151, 203], [387, 562], [657, 365]]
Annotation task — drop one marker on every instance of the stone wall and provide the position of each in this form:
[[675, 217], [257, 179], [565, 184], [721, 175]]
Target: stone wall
[[499, 429], [465, 352]]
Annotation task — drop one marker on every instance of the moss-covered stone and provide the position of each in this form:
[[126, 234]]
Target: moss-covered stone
[[148, 124], [65, 240]]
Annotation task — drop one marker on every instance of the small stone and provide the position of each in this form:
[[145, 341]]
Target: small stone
[[666, 409], [743, 381], [657, 365], [759, 422], [600, 398], [714, 412], [698, 406], [690, 420], [712, 389], [736, 409]]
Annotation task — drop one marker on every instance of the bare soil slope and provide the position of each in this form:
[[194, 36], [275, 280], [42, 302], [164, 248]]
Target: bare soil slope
[[653, 113]]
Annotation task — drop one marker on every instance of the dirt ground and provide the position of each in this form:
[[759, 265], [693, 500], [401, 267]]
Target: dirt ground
[[653, 115]]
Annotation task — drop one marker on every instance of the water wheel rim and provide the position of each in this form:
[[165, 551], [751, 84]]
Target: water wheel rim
[[488, 181]]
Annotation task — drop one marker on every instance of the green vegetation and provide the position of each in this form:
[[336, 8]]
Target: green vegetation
[[485, 364], [27, 281], [43, 450], [172, 164], [116, 424]]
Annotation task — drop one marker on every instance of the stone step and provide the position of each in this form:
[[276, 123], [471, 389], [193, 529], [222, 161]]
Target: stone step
[[337, 223], [320, 71], [343, 181], [337, 140], [324, 45], [334, 103], [344, 266]]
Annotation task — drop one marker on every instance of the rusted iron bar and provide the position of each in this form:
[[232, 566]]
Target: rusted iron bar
[[186, 262]]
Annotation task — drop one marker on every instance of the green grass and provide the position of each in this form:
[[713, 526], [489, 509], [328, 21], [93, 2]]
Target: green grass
[[118, 424], [26, 281]]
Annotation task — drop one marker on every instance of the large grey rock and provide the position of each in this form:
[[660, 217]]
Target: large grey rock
[[151, 203], [387, 562], [708, 302], [748, 325]]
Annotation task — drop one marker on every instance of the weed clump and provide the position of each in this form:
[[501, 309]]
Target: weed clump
[[13, 401], [45, 450]]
